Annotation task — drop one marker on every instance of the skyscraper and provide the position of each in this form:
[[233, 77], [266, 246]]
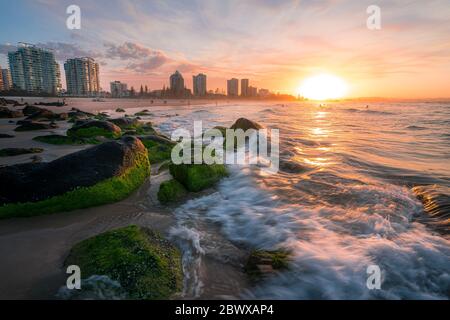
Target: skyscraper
[[1, 81], [118, 89], [244, 88], [199, 83], [34, 69], [6, 79], [177, 84], [233, 87], [82, 76]]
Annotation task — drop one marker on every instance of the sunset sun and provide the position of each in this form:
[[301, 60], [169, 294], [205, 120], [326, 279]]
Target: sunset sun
[[323, 87]]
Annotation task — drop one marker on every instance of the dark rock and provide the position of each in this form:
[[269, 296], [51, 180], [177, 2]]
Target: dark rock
[[120, 110], [31, 126], [245, 124], [45, 114], [263, 263], [52, 104], [77, 114], [4, 135], [197, 177], [10, 152], [125, 122], [95, 128], [30, 110], [34, 182], [6, 113]]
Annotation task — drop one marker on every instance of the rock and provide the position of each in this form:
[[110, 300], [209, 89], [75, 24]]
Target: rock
[[144, 264], [102, 174], [36, 159], [262, 263], [95, 128], [45, 114], [57, 139], [6, 113], [197, 177], [31, 126], [125, 122], [436, 202], [52, 104], [245, 124], [171, 191], [77, 114], [4, 135], [5, 102], [159, 147], [9, 152], [143, 113], [30, 110], [120, 110]]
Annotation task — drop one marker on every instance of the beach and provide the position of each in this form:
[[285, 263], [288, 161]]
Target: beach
[[342, 200]]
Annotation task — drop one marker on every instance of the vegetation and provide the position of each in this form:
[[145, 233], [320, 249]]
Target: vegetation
[[157, 152], [196, 177], [65, 140], [146, 265], [170, 191], [107, 191], [274, 260], [93, 132]]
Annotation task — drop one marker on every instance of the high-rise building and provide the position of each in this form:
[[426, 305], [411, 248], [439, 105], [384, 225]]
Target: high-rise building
[[6, 79], [199, 84], [177, 84], [244, 88], [82, 76], [34, 69], [252, 91], [1, 81], [233, 87], [119, 89]]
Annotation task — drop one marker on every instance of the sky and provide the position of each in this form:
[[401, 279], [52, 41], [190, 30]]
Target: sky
[[275, 44]]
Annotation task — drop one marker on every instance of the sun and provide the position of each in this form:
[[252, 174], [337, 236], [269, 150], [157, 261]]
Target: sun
[[323, 87]]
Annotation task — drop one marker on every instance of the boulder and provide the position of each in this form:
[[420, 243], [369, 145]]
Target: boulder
[[262, 263], [171, 191], [77, 114], [9, 152], [197, 177], [159, 147], [32, 126], [125, 122], [44, 115], [6, 113], [144, 264], [105, 173], [4, 135], [95, 128], [52, 104], [30, 110], [245, 124], [120, 110]]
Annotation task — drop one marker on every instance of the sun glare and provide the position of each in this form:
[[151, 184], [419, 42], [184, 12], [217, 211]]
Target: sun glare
[[323, 87]]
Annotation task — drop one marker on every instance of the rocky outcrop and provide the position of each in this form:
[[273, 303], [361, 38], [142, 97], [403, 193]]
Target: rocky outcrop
[[47, 115], [197, 177], [144, 264], [9, 152], [94, 128], [125, 122], [120, 165], [52, 104], [245, 124], [27, 125], [7, 113], [29, 110]]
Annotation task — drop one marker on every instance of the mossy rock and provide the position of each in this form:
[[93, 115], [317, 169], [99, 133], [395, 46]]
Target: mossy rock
[[120, 110], [261, 263], [146, 265], [96, 128], [197, 177], [65, 140], [10, 152], [127, 162], [157, 151], [171, 191]]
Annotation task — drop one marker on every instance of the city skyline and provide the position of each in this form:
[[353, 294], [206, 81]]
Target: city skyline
[[284, 42]]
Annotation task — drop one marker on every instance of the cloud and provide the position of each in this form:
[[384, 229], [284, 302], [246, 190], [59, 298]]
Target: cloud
[[5, 48], [130, 50], [149, 64]]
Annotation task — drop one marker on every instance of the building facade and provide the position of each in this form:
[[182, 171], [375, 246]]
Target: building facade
[[119, 89], [82, 76], [233, 87], [199, 84], [177, 84], [34, 70], [252, 92], [244, 88], [6, 79]]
